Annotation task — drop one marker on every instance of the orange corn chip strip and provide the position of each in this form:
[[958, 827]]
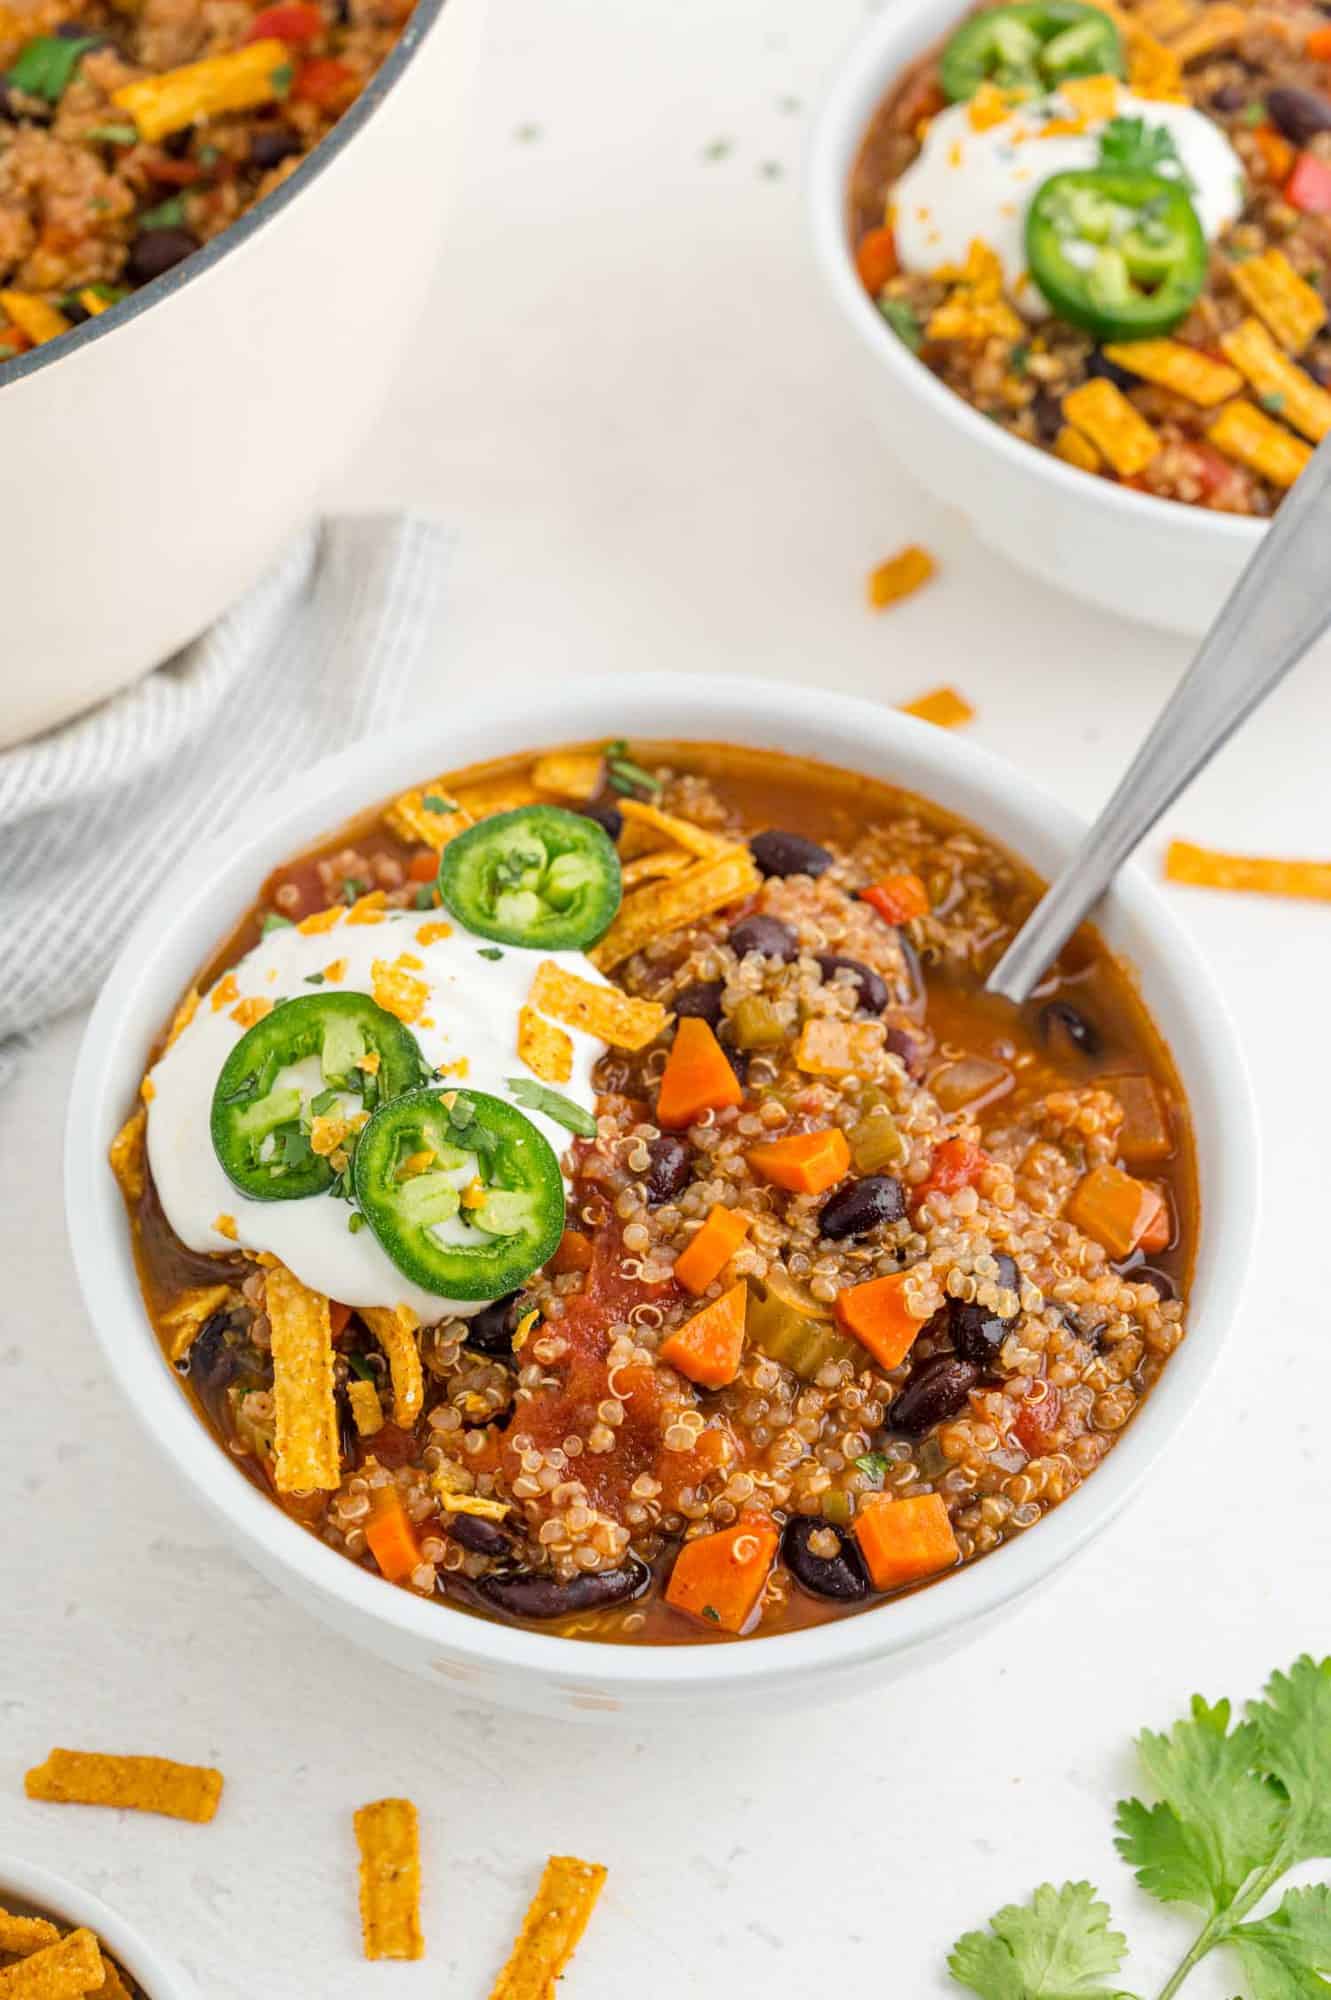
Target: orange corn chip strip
[[142, 1784], [900, 576], [1074, 449], [569, 774], [126, 1155], [550, 1931], [647, 867], [388, 1836], [1205, 868], [1241, 431], [22, 1935], [1292, 308], [395, 1327], [1185, 370], [1281, 383], [1218, 27], [366, 1411], [430, 826], [673, 831], [308, 1458], [602, 1011], [60, 1971], [546, 1049], [944, 707], [1103, 413], [181, 1321], [113, 1986], [667, 906]]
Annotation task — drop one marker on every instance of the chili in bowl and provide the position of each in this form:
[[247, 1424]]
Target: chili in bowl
[[591, 1195]]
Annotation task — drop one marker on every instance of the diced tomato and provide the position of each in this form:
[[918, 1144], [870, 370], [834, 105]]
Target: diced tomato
[[338, 1315], [293, 21], [174, 173], [1276, 151], [897, 898], [325, 81], [1038, 1424], [1216, 476], [876, 259], [423, 867], [392, 1446], [956, 1164], [1309, 186]]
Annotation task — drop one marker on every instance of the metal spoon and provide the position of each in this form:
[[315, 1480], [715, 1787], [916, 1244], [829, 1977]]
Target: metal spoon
[[1280, 605]]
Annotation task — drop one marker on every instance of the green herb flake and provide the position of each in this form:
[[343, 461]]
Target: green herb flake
[[710, 1612], [489, 951], [167, 215], [314, 979], [1254, 115], [718, 149], [1018, 358], [296, 1148], [355, 1223], [1133, 146], [624, 775], [903, 322], [424, 899], [326, 1101], [873, 1465], [273, 922], [534, 1096], [45, 66], [281, 79], [1273, 400], [208, 156], [113, 135], [434, 804], [352, 890]]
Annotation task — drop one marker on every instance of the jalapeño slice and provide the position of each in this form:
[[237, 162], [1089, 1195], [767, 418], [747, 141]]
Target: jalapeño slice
[[1031, 48], [261, 1117], [461, 1190], [539, 877], [1116, 251]]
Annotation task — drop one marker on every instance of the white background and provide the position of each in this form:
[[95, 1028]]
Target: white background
[[632, 400]]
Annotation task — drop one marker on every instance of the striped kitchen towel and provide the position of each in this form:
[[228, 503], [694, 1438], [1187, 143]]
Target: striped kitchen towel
[[92, 814]]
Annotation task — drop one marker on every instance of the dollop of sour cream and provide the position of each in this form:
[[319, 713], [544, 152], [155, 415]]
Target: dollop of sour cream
[[967, 183], [469, 1021]]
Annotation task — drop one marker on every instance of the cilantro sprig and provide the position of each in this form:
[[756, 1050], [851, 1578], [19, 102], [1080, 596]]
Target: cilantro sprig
[[1237, 1805], [1136, 147], [626, 777]]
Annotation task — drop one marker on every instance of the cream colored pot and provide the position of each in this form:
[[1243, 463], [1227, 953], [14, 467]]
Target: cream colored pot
[[156, 461]]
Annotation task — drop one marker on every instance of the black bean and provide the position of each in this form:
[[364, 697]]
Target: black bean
[[348, 1437], [1149, 1274], [870, 987], [778, 853], [272, 144], [483, 1538], [1047, 410], [156, 250], [177, 144], [842, 1576], [936, 1390], [1058, 1018], [1299, 114], [1101, 368], [491, 1330], [671, 1165], [900, 1042], [768, 936], [977, 1333], [74, 31], [211, 1360], [739, 1062], [1230, 97], [606, 814], [524, 1596], [861, 1206], [75, 313], [1318, 369], [702, 1000]]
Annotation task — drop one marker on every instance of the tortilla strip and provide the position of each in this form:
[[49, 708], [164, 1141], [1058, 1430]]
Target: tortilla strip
[[569, 774], [602, 1011], [1183, 370], [1243, 432], [126, 1155], [394, 1327], [113, 1986], [1292, 308], [1282, 385], [142, 1784], [308, 1459], [427, 826], [551, 1929], [366, 1411], [387, 1834], [183, 1015], [22, 1935], [1116, 429], [545, 1049], [496, 795], [61, 1971], [1205, 868], [646, 867], [674, 832], [942, 706], [666, 906], [182, 1320]]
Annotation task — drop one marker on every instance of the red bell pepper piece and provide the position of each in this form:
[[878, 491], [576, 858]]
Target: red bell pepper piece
[[897, 898], [293, 21], [1309, 186], [325, 81]]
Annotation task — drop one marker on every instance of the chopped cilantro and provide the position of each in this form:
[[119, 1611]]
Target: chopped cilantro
[[1273, 400], [903, 322], [114, 135], [873, 1465], [539, 1097], [45, 66], [273, 922], [352, 889], [1132, 145], [208, 156], [626, 776], [296, 1148], [167, 215], [281, 79], [1255, 115], [314, 979], [326, 1101], [718, 149], [1018, 358], [424, 898], [489, 951], [434, 804], [710, 1611]]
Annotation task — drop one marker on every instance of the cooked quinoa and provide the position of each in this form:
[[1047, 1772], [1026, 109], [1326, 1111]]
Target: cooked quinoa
[[581, 1461]]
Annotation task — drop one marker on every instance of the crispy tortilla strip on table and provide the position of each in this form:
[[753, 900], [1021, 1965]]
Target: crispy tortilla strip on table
[[388, 1836], [1282, 384], [431, 826], [649, 867], [142, 1784], [945, 707], [181, 1320], [673, 831], [366, 1410], [1074, 449], [569, 774], [1184, 370], [62, 1971], [900, 576], [1205, 868], [308, 1459], [395, 1328], [238, 81], [546, 1049], [22, 1935], [1103, 413], [126, 1155], [551, 1929], [602, 1011], [1242, 432], [1292, 309], [666, 906]]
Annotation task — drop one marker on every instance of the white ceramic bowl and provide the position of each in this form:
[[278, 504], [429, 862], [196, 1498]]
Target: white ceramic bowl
[[529, 1669], [1145, 558], [159, 458], [51, 1896]]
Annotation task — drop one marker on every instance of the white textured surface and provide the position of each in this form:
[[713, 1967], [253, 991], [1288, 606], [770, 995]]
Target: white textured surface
[[632, 402]]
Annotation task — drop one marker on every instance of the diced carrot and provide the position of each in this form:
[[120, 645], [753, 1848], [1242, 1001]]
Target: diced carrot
[[876, 259], [706, 1257], [1115, 1209], [707, 1348], [338, 1315], [1159, 1231], [878, 1316], [1318, 45], [904, 1540], [956, 1164], [806, 1163], [719, 1579], [696, 1078], [1144, 1137], [897, 898], [423, 867], [390, 1535], [574, 1253], [1276, 151]]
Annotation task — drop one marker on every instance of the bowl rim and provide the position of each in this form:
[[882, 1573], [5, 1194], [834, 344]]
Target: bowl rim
[[56, 1896], [876, 53], [423, 17], [216, 882]]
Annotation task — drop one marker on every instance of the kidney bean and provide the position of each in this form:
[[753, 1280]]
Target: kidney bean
[[1230, 97], [272, 144], [522, 1595], [842, 1577], [768, 936], [900, 1042], [671, 1165], [702, 1000], [1299, 114], [1057, 1017], [492, 1329], [156, 250], [870, 987], [780, 853], [483, 1538], [977, 1333], [606, 813], [861, 1206], [936, 1391]]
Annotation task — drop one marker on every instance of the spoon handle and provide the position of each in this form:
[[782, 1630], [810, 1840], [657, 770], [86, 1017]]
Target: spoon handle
[[1280, 605]]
